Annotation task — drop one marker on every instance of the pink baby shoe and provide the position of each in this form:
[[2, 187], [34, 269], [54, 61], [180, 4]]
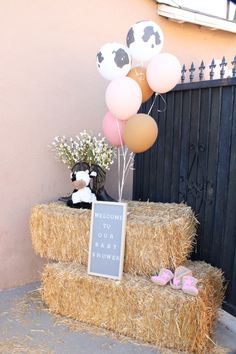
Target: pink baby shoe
[[189, 285], [180, 271], [164, 276]]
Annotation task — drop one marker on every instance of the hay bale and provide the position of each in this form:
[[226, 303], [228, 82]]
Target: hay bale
[[157, 234], [137, 308]]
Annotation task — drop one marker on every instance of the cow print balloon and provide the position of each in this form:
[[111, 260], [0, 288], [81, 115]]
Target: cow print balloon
[[113, 61], [144, 39]]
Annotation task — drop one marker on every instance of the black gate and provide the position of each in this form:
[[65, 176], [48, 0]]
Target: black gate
[[194, 160]]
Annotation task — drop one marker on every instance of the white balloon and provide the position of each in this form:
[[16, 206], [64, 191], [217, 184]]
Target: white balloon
[[144, 39], [113, 61], [163, 72]]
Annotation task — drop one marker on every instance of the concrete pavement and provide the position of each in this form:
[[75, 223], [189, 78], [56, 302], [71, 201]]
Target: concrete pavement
[[26, 327]]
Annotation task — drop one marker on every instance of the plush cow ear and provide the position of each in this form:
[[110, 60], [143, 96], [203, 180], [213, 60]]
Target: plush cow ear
[[73, 176]]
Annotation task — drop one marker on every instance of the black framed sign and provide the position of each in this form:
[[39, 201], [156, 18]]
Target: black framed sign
[[107, 239]]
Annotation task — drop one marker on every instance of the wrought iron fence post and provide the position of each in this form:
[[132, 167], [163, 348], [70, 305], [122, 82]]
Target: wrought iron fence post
[[234, 66], [222, 65], [183, 72], [192, 69], [212, 68], [201, 71]]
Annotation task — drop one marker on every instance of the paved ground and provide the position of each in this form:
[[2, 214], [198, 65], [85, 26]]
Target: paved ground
[[27, 327]]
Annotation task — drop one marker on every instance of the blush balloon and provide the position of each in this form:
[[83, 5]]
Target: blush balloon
[[139, 75], [163, 72], [123, 97], [140, 132], [113, 129]]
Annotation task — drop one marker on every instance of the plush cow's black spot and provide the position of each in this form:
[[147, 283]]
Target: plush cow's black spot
[[121, 57], [148, 32], [100, 58], [130, 37]]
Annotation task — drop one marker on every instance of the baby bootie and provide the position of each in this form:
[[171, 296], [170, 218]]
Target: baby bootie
[[189, 285], [180, 271], [164, 276]]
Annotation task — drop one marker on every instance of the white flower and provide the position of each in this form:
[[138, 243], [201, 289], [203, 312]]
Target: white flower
[[84, 148]]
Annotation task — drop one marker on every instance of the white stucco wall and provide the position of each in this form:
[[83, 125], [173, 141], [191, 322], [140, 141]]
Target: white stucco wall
[[49, 86]]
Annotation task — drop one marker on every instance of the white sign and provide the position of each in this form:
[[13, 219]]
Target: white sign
[[107, 239]]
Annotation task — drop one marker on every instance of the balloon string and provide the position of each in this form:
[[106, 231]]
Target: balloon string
[[121, 142], [156, 94], [122, 175], [131, 160], [118, 153], [158, 110], [126, 167], [120, 189], [165, 105]]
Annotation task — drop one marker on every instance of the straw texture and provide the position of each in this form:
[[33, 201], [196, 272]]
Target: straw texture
[[157, 234], [137, 308]]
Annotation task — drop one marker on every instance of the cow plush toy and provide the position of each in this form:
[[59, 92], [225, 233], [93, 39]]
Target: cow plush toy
[[82, 196]]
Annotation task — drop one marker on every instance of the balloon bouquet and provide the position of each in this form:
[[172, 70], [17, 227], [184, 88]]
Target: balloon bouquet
[[135, 72]]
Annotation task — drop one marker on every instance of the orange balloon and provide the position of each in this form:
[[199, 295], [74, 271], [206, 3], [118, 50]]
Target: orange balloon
[[140, 132], [138, 74]]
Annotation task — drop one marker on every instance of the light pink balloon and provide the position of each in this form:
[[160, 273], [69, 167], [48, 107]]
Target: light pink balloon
[[113, 129], [163, 72], [123, 97]]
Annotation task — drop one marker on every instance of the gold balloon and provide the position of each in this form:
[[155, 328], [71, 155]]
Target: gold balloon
[[140, 132], [138, 74]]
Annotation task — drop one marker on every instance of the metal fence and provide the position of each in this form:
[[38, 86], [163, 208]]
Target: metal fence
[[194, 161], [217, 69]]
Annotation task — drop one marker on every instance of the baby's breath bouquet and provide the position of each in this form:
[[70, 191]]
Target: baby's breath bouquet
[[84, 148]]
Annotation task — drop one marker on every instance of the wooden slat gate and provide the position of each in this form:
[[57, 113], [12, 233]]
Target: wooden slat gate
[[194, 160]]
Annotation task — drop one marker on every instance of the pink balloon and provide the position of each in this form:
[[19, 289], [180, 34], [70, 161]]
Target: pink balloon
[[163, 72], [113, 129], [123, 97]]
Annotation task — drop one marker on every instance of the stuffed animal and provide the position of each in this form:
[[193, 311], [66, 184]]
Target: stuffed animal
[[98, 184], [82, 196]]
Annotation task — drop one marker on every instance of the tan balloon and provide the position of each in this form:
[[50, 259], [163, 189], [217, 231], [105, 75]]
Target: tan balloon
[[139, 75], [140, 132]]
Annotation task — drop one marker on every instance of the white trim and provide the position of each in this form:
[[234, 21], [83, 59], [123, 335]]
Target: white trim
[[227, 320], [185, 15]]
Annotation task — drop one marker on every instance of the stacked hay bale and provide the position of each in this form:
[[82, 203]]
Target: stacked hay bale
[[157, 235]]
